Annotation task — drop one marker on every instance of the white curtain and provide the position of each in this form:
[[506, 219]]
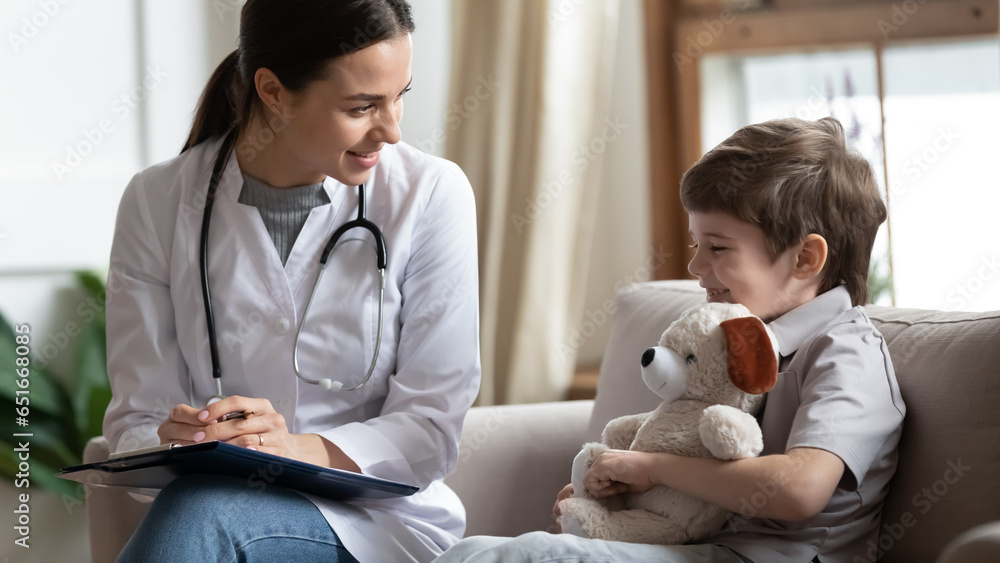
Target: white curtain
[[529, 119]]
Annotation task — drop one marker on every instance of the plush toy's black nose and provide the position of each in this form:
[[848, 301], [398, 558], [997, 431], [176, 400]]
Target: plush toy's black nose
[[647, 356]]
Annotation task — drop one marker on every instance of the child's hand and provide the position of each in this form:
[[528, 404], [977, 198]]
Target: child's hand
[[618, 471], [565, 493]]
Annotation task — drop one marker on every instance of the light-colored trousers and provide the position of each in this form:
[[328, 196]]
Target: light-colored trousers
[[542, 547]]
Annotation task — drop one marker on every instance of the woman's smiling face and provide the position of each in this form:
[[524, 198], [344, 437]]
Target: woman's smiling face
[[337, 126]]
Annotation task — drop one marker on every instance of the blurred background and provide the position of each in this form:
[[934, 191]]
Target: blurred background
[[574, 120]]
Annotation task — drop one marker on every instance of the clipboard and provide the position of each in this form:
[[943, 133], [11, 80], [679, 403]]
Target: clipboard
[[154, 467]]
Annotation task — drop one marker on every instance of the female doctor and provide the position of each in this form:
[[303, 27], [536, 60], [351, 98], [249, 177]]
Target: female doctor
[[312, 99]]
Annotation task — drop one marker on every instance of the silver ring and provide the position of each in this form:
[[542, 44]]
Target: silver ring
[[261, 438]]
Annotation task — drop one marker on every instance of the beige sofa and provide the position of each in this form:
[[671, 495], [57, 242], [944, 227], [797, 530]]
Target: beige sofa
[[514, 459]]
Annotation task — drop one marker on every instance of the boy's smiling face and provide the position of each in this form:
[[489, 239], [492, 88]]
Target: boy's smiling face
[[732, 263]]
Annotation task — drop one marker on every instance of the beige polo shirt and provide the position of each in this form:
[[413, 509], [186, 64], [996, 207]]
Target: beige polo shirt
[[836, 392]]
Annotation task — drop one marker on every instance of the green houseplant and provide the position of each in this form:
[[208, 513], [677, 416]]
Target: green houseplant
[[61, 412]]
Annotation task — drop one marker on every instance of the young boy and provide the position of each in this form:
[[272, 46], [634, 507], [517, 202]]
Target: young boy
[[783, 218]]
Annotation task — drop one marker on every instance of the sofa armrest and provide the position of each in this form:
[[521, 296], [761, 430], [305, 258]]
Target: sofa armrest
[[979, 545], [111, 512], [513, 460]]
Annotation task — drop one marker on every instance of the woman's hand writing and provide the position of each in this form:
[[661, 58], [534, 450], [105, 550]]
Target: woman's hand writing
[[262, 429]]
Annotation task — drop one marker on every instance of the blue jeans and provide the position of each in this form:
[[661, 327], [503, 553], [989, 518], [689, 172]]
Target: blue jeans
[[219, 518]]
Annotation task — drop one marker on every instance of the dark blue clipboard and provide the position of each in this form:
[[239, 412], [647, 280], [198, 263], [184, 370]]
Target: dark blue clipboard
[[153, 470]]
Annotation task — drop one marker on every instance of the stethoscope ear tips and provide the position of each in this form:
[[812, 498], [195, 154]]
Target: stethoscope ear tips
[[328, 385]]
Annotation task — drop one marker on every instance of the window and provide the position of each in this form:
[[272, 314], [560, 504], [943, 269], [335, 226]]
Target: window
[[942, 110]]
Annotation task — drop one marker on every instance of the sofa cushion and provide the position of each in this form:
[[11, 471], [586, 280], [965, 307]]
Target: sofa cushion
[[948, 478]]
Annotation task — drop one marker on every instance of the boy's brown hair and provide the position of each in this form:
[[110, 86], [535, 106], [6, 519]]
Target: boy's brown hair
[[792, 178]]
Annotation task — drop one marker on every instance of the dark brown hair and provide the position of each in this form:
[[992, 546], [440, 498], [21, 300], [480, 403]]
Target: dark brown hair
[[792, 178], [295, 39]]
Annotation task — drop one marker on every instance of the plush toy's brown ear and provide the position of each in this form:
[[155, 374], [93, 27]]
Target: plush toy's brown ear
[[749, 355]]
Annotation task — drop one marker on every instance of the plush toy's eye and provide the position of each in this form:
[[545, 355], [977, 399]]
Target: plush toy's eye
[[690, 359]]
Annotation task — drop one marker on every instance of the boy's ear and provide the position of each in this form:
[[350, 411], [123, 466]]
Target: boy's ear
[[811, 257]]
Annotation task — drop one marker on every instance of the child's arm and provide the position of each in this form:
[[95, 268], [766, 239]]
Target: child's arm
[[798, 484]]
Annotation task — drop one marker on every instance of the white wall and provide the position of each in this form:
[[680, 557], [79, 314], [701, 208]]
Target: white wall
[[425, 105]]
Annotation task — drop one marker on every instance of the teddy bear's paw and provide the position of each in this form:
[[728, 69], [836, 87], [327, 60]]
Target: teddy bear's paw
[[572, 513], [581, 464], [570, 525], [620, 432], [592, 450], [730, 433]]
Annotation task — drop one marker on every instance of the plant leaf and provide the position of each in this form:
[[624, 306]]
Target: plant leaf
[[93, 285], [91, 381]]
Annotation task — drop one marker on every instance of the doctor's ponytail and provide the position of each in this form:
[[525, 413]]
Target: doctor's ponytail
[[217, 106], [295, 39]]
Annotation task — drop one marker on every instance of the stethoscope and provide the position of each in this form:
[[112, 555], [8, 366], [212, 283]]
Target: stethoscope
[[361, 221]]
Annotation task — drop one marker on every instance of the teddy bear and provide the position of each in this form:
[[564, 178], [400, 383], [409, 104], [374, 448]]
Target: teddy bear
[[711, 368]]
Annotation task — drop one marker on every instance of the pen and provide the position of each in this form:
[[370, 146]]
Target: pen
[[237, 414]]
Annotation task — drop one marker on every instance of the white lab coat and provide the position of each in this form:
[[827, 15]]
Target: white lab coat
[[405, 423]]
